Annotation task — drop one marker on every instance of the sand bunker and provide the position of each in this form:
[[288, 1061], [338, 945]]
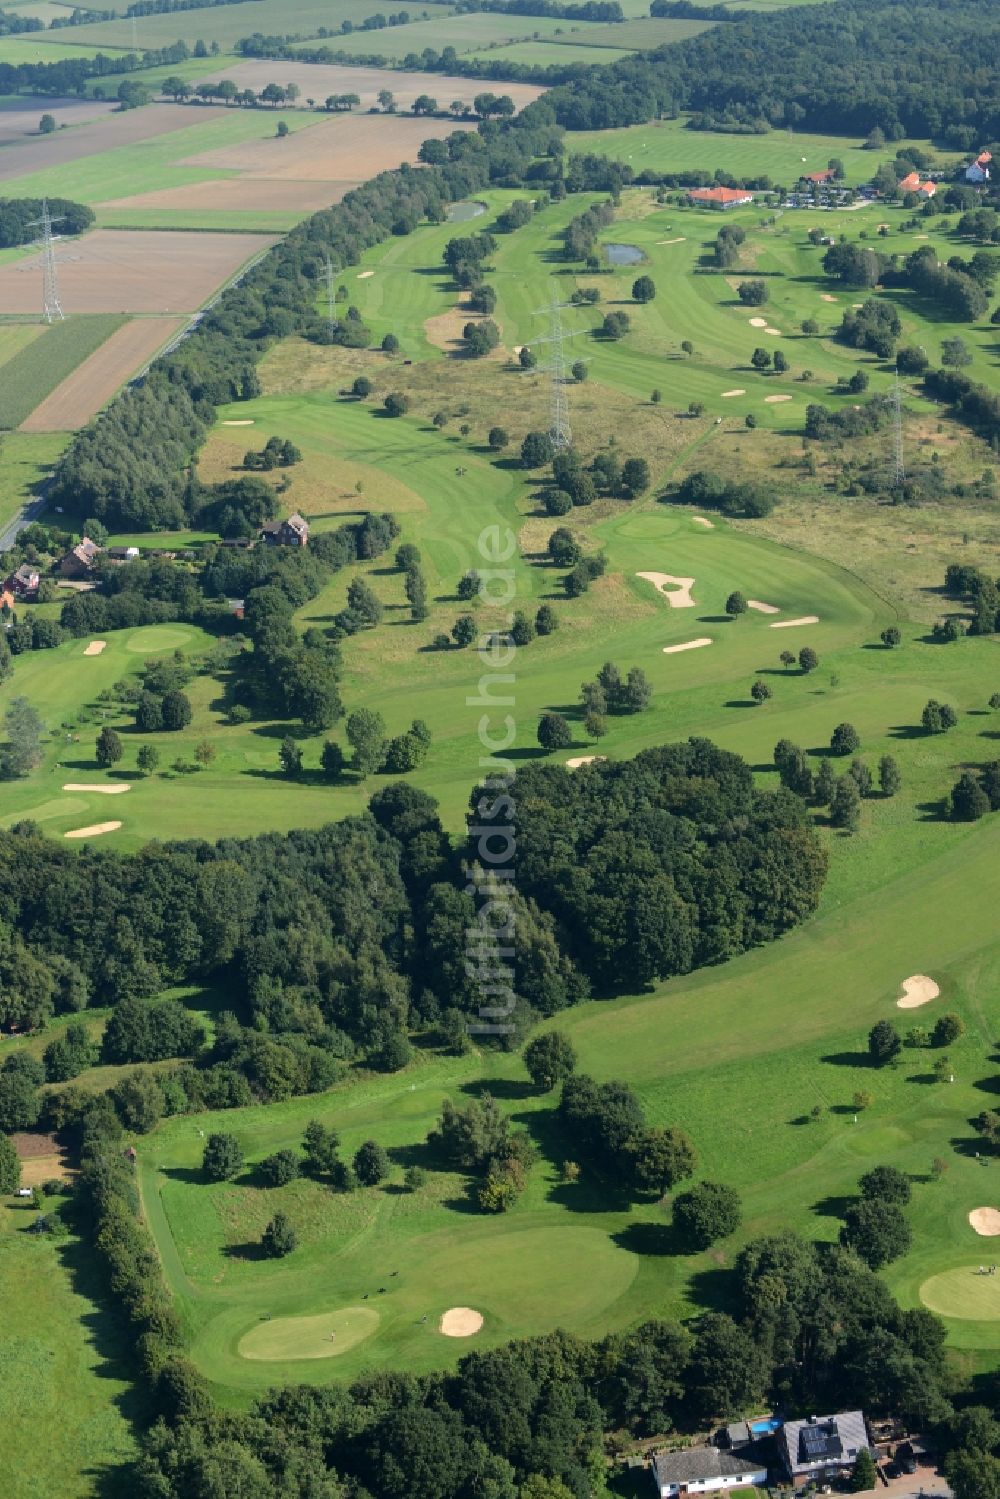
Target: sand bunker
[[676, 591], [95, 647], [246, 421], [363, 275], [985, 1221], [94, 831], [678, 241], [115, 790], [788, 624], [579, 760], [825, 296], [758, 322], [762, 608], [699, 520], [460, 1322], [775, 332], [774, 400], [689, 645], [727, 393], [917, 990]]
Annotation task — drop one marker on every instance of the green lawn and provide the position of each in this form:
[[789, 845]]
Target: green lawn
[[642, 33], [466, 33], [35, 370], [67, 1368]]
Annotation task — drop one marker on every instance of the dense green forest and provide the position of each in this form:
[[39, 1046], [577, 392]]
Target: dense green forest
[[908, 67], [20, 219]]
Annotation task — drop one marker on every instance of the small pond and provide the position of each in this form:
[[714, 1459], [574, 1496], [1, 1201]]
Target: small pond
[[461, 213], [624, 254]]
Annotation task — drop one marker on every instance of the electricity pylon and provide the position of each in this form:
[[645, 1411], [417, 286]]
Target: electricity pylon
[[51, 305], [559, 428]]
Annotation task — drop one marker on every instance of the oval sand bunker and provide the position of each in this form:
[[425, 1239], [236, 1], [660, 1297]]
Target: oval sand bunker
[[688, 645], [115, 790], [676, 591], [985, 1221], [325, 1336], [95, 831], [788, 624], [460, 1322], [918, 990], [579, 760]]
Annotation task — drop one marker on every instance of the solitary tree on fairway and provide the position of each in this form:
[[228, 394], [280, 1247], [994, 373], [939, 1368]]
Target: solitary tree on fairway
[[23, 750], [222, 1158], [371, 1164], [808, 659], [886, 1184], [891, 637], [736, 605], [760, 692], [706, 1213], [889, 777], [884, 1044], [290, 758], [787, 659], [969, 801], [549, 1059], [876, 1231], [279, 1237], [845, 739], [644, 289], [109, 748], [498, 439], [948, 1028], [279, 1169], [366, 735], [464, 630], [148, 758], [761, 360], [554, 733]]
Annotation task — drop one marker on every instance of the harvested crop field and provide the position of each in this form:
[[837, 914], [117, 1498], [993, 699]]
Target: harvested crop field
[[269, 194], [350, 149], [316, 80], [115, 270], [82, 394], [100, 135], [42, 365], [18, 121]]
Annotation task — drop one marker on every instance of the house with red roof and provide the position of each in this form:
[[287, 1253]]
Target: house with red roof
[[720, 197], [819, 178]]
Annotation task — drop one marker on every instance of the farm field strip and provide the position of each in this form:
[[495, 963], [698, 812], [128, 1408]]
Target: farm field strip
[[546, 53], [93, 383], [44, 362], [226, 24]]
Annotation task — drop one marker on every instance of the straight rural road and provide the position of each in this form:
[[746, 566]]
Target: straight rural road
[[30, 513]]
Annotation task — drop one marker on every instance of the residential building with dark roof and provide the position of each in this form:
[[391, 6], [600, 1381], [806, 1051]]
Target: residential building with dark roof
[[291, 532], [79, 560], [704, 1470], [23, 583], [821, 1446]]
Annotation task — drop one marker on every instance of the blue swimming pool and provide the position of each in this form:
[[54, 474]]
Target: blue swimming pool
[[765, 1428]]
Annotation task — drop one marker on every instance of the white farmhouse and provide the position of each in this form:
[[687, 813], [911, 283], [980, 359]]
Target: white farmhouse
[[704, 1470]]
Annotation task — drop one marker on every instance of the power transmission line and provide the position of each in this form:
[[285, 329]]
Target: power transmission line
[[899, 475], [51, 305]]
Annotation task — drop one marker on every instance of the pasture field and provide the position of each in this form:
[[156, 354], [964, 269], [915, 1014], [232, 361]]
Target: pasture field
[[544, 54], [641, 33], [226, 24], [36, 47], [66, 1367], [115, 163], [465, 33], [44, 362], [25, 461], [669, 146]]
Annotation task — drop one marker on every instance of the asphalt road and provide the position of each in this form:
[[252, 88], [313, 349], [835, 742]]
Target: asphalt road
[[30, 513]]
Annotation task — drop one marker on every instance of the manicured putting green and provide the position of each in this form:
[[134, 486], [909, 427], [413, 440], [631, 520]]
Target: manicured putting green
[[963, 1293], [324, 1336], [155, 638]]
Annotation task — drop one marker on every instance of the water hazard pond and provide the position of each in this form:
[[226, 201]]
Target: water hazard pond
[[624, 254], [461, 213]]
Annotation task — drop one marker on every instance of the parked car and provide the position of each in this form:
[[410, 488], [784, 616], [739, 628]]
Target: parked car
[[905, 1458]]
